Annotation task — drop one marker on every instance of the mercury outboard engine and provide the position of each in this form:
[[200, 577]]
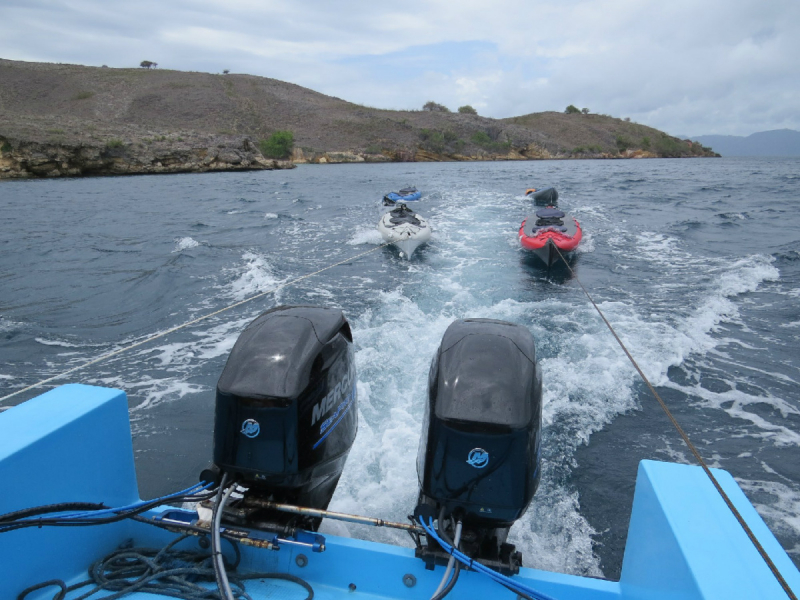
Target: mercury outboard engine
[[286, 413], [479, 457]]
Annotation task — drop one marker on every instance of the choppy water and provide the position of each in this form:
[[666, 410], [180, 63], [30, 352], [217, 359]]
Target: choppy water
[[695, 262]]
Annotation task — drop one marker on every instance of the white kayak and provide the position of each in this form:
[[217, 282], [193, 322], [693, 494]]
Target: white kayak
[[405, 229]]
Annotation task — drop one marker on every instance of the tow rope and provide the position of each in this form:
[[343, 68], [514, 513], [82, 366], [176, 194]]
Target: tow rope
[[687, 441]]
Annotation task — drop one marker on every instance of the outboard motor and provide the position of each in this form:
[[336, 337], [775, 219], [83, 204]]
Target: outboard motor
[[479, 453], [286, 413]]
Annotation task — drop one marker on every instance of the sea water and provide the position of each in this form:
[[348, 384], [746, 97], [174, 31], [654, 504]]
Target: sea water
[[695, 262]]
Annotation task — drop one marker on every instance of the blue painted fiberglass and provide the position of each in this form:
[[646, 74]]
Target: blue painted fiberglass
[[73, 444], [410, 197]]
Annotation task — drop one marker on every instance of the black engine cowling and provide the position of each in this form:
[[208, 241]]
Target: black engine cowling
[[286, 413], [479, 451]]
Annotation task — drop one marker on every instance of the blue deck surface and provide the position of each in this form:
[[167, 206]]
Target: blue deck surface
[[73, 444], [404, 197]]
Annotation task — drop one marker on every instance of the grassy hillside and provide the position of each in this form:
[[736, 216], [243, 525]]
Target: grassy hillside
[[580, 135], [91, 106]]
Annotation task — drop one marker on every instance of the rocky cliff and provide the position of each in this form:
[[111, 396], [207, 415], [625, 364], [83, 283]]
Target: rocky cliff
[[24, 158]]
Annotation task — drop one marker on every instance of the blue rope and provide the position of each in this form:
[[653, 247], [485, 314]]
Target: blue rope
[[476, 566]]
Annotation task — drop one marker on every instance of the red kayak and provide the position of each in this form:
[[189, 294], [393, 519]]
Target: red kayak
[[549, 229]]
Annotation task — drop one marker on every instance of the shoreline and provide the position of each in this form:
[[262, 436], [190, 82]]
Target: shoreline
[[47, 160]]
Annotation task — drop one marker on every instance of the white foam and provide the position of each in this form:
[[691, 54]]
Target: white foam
[[777, 503], [366, 236], [395, 343], [270, 215], [599, 213], [735, 403], [60, 343], [8, 325], [718, 307], [657, 346], [393, 350], [253, 277], [185, 243], [714, 298], [214, 340], [174, 361], [156, 391], [554, 536], [587, 244], [660, 248]]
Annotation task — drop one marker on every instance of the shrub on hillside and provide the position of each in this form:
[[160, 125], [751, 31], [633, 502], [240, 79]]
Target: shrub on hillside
[[115, 144], [441, 142], [572, 109], [467, 110], [434, 107], [671, 147], [494, 132], [279, 145], [489, 140], [481, 138], [433, 140]]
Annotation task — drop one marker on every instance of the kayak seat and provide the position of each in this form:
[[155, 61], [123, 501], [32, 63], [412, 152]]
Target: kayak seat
[[549, 216], [549, 227], [412, 219], [403, 214]]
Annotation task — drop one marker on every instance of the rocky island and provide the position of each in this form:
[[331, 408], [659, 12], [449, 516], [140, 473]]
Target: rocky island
[[71, 120]]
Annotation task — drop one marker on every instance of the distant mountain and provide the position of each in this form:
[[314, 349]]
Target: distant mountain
[[779, 142]]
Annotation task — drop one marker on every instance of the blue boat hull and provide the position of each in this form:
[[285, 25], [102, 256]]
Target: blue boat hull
[[73, 444], [395, 197]]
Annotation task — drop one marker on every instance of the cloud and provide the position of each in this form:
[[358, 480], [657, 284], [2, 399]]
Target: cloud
[[721, 66]]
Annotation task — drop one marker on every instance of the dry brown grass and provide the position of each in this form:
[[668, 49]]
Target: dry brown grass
[[86, 104]]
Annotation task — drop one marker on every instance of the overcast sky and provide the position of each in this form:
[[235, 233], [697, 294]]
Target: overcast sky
[[689, 67]]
